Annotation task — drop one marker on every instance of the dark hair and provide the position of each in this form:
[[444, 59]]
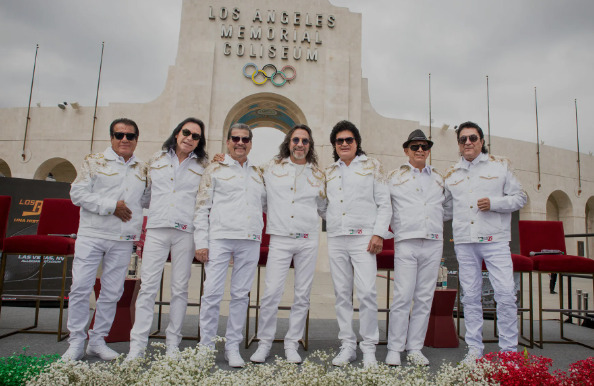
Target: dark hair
[[283, 149], [472, 125], [344, 126], [171, 142], [240, 126], [125, 121]]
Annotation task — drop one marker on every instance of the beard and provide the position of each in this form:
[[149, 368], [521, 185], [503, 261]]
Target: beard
[[298, 156]]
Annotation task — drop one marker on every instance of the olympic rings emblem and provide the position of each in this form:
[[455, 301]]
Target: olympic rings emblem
[[271, 75]]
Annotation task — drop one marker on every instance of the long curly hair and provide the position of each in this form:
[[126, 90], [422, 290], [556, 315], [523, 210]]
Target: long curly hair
[[284, 148]]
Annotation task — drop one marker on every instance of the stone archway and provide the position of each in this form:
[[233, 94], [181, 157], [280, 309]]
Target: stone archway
[[559, 206], [59, 168], [4, 169], [264, 110]]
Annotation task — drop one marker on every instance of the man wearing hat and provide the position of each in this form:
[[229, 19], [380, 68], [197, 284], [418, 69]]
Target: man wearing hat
[[417, 195]]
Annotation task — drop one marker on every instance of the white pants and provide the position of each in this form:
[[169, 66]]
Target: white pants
[[497, 258], [283, 250], [88, 254], [416, 265], [350, 261], [159, 241], [245, 260]]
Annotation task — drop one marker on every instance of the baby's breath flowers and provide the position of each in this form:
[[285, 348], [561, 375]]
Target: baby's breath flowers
[[196, 365]]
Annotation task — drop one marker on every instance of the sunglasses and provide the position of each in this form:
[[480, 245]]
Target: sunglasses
[[236, 139], [129, 136], [473, 138], [187, 133], [424, 147], [304, 141], [348, 140]]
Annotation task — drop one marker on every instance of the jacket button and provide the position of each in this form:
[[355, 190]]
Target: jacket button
[[472, 222], [291, 216], [292, 202], [291, 188], [471, 207], [340, 200], [344, 214]]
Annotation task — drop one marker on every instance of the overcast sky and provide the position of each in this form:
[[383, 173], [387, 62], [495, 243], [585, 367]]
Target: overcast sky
[[519, 44]]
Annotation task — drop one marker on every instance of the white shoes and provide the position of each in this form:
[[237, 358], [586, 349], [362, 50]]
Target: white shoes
[[393, 358], [416, 358], [102, 351], [369, 360], [471, 357], [261, 354], [234, 358], [292, 355], [74, 353], [135, 353], [344, 357]]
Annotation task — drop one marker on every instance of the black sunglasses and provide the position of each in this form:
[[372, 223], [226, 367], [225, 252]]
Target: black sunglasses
[[348, 140], [129, 136], [473, 138], [304, 141], [424, 147], [236, 139], [187, 133]]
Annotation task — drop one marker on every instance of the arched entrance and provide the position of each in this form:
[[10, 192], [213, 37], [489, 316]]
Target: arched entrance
[[265, 113], [4, 169], [57, 169], [559, 208]]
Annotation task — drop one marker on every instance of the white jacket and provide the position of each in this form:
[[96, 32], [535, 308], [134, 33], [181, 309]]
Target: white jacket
[[230, 203], [105, 179], [486, 177], [358, 199], [417, 209], [173, 193], [294, 200]]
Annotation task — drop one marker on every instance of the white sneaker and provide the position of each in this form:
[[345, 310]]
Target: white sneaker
[[471, 357], [344, 357], [393, 358], [292, 355], [102, 351], [416, 358], [369, 360], [74, 353], [172, 351], [261, 354], [234, 358], [135, 353]]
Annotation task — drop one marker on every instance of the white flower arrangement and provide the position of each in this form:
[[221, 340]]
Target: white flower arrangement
[[196, 365]]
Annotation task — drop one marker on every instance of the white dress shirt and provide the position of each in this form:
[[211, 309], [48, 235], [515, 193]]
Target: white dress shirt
[[358, 198], [417, 203], [485, 177], [230, 203], [296, 194], [106, 178], [173, 188]]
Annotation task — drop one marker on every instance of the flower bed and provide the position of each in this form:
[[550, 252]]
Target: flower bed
[[197, 366]]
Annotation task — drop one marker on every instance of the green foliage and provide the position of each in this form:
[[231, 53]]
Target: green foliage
[[17, 369]]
